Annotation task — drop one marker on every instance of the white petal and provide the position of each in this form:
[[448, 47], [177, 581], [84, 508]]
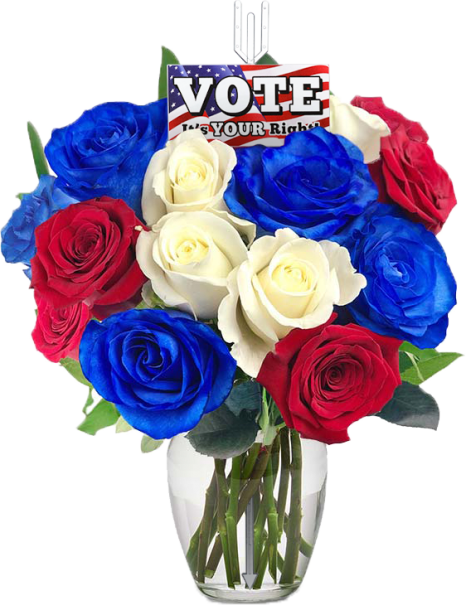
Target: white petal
[[263, 249], [358, 126], [144, 254], [253, 312], [283, 325], [248, 349], [203, 296], [228, 249], [245, 228], [226, 162], [351, 283], [153, 206]]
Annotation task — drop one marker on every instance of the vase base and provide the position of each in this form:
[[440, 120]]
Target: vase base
[[244, 595]]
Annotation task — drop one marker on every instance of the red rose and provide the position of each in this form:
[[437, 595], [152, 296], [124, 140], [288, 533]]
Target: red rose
[[326, 378], [415, 181], [407, 172], [392, 118], [58, 332], [86, 253]]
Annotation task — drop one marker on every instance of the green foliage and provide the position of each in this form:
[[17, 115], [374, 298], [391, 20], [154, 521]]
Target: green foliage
[[222, 434], [40, 161], [104, 414], [168, 58], [74, 368], [270, 421], [245, 397], [411, 406], [417, 365], [122, 426], [150, 445], [267, 60]]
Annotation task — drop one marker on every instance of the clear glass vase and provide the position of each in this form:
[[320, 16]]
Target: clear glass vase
[[248, 525]]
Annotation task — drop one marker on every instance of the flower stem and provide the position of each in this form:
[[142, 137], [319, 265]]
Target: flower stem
[[249, 489], [206, 528], [222, 491], [250, 461], [284, 479], [269, 553], [293, 542], [259, 524], [231, 518], [275, 456], [193, 549]]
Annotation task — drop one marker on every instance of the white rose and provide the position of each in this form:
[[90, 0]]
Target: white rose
[[287, 282], [190, 174], [358, 126], [188, 257]]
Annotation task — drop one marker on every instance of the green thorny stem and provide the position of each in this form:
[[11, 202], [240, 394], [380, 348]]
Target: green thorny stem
[[290, 564], [253, 475], [231, 518], [247, 493], [269, 553], [260, 505], [284, 479], [222, 496], [192, 555], [250, 461], [205, 530]]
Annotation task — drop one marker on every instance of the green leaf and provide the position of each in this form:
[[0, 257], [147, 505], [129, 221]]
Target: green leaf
[[122, 426], [268, 419], [150, 445], [406, 362], [103, 415], [40, 161], [417, 365], [74, 368], [267, 60], [89, 401], [411, 406], [20, 196], [245, 397], [168, 58], [221, 434]]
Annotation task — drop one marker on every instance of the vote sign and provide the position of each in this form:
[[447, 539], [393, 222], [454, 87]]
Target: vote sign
[[247, 104]]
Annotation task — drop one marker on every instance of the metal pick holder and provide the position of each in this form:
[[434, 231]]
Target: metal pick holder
[[249, 56]]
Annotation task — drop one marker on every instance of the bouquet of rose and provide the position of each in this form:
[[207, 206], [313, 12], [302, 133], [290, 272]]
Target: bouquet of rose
[[240, 296]]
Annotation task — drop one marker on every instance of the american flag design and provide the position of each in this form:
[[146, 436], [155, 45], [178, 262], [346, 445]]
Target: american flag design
[[180, 118]]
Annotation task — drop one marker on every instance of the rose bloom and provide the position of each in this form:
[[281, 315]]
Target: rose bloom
[[189, 174], [188, 257], [58, 332], [162, 369], [359, 126], [408, 173], [287, 282], [415, 181], [326, 378], [87, 253]]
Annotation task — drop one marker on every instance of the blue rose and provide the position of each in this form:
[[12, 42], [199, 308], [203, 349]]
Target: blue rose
[[18, 241], [410, 287], [107, 151], [315, 184], [162, 369]]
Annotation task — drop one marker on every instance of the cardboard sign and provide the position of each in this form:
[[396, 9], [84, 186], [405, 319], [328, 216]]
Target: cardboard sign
[[247, 104]]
